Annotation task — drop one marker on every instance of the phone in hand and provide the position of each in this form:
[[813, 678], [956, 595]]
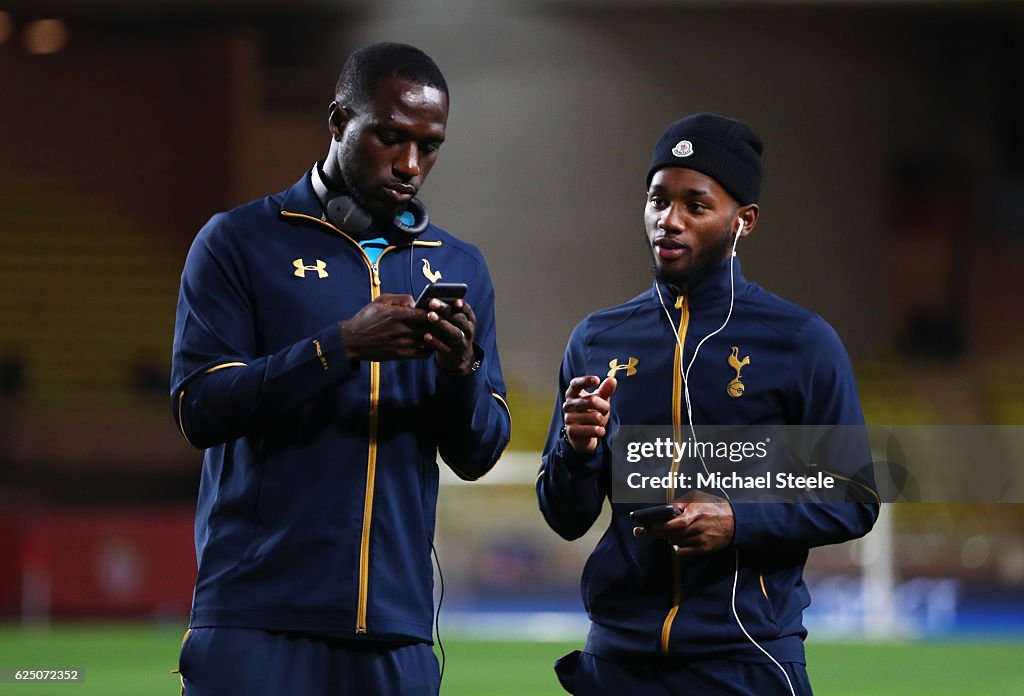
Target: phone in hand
[[645, 517], [446, 292]]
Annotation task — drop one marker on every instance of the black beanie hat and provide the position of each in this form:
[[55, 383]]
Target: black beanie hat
[[725, 149]]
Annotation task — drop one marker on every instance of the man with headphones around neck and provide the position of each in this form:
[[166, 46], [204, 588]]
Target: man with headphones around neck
[[322, 396], [711, 601]]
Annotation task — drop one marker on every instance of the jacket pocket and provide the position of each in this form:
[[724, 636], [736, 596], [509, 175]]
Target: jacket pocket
[[762, 593]]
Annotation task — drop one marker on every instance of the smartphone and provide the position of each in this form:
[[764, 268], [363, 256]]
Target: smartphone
[[645, 517], [446, 292]]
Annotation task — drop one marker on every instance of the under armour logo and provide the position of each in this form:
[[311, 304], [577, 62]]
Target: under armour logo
[[432, 276], [629, 367], [300, 268]]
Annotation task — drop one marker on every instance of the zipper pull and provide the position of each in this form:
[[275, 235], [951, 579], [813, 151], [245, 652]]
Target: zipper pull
[[376, 275], [679, 301]]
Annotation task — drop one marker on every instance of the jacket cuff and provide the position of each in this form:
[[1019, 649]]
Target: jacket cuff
[[748, 519], [330, 353], [464, 385], [579, 463]]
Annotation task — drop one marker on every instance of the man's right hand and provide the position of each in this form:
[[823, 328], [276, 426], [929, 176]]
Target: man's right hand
[[389, 328], [586, 413]]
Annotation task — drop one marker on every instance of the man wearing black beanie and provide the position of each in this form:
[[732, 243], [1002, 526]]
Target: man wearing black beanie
[[708, 600]]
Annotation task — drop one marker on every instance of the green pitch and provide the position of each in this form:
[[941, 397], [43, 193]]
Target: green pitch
[[136, 659]]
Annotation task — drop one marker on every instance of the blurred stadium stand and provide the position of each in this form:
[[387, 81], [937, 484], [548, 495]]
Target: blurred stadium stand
[[158, 114]]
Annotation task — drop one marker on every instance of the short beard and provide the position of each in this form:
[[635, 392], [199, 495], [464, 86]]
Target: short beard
[[379, 213], [708, 259], [357, 196]]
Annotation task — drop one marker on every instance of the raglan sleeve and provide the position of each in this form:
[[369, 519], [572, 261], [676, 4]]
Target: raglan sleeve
[[571, 486], [477, 424], [221, 387], [824, 394]]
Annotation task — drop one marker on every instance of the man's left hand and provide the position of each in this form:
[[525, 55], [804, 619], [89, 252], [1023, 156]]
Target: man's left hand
[[451, 335], [705, 524]]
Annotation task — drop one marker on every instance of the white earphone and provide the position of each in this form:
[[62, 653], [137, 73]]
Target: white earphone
[[739, 231]]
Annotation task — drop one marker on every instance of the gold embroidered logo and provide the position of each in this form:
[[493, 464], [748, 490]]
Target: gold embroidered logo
[[735, 388], [432, 276], [629, 367], [300, 268], [320, 353]]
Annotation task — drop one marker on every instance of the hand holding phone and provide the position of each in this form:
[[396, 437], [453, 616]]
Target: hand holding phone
[[446, 292], [645, 517]]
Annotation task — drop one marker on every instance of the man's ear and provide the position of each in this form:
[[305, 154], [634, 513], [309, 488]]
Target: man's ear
[[749, 214], [337, 117]]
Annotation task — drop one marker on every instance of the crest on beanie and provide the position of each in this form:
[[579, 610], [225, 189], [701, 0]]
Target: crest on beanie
[[684, 148]]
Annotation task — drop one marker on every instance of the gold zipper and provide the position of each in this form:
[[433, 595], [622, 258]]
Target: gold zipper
[[371, 463], [374, 425], [371, 455], [670, 493], [374, 428], [371, 476]]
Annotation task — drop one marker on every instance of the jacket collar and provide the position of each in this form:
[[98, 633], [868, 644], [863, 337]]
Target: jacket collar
[[711, 286], [301, 199]]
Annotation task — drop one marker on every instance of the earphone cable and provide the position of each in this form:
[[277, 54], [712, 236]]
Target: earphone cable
[[689, 414], [437, 614]]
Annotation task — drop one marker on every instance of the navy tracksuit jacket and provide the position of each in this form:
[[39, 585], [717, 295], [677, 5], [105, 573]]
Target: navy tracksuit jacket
[[642, 600], [317, 501]]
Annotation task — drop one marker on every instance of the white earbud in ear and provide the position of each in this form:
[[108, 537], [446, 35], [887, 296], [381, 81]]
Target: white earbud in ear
[[736, 239]]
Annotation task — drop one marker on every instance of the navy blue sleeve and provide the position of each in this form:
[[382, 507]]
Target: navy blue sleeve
[[221, 389], [825, 393], [477, 422], [571, 486]]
